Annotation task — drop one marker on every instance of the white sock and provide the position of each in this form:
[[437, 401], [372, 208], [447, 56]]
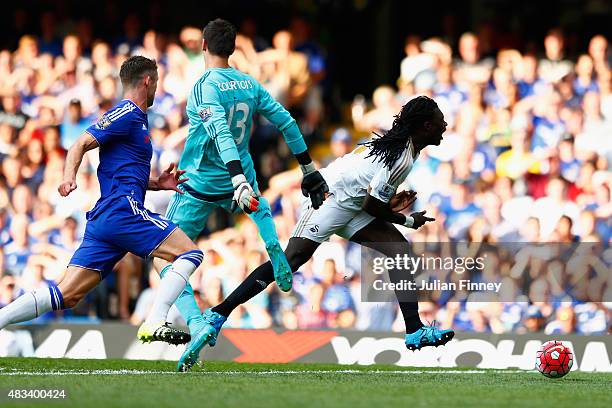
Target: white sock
[[26, 307], [172, 284]]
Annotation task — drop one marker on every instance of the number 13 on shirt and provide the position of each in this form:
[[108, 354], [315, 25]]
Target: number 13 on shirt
[[240, 125]]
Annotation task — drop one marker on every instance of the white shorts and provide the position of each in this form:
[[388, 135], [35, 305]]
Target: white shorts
[[330, 218]]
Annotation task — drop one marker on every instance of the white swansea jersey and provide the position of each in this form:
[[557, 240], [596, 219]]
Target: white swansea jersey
[[351, 176]]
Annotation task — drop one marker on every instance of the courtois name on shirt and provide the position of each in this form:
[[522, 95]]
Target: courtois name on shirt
[[233, 85]]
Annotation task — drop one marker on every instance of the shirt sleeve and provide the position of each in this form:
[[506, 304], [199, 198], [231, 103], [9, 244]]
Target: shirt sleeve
[[385, 182], [279, 117], [110, 127], [213, 117]]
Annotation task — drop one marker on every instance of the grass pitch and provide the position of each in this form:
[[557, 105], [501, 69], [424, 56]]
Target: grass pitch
[[124, 383]]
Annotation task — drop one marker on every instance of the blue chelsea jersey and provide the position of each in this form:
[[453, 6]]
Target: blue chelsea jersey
[[125, 151]]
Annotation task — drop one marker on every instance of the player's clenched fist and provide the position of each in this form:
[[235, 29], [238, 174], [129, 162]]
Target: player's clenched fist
[[244, 196], [67, 187]]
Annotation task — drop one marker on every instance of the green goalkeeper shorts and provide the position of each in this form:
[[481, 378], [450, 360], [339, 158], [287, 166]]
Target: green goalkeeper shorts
[[191, 213]]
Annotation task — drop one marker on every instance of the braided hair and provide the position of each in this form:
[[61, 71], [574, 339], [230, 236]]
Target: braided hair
[[390, 146]]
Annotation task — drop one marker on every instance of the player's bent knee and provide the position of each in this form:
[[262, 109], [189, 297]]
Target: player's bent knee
[[297, 258]]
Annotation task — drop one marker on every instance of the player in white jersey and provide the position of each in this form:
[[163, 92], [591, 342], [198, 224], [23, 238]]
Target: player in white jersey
[[351, 178], [363, 206]]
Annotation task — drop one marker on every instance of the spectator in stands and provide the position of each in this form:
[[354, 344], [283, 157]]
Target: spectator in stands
[[7, 290], [74, 124], [471, 67], [553, 206], [518, 161], [533, 321], [564, 322], [599, 52], [288, 64], [341, 144], [380, 118], [310, 313], [554, 67], [191, 39], [17, 251]]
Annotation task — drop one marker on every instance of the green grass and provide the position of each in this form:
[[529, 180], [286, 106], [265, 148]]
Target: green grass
[[226, 384]]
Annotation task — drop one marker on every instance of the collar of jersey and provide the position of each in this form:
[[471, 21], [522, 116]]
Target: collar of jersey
[[137, 107]]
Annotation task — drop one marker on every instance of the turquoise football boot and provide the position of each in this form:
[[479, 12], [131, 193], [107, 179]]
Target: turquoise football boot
[[283, 275], [428, 336], [207, 334]]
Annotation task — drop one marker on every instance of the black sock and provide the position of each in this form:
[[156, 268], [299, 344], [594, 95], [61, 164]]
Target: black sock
[[255, 283], [410, 312], [408, 302]]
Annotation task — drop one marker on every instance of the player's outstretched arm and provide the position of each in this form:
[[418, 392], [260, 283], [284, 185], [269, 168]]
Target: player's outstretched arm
[[313, 184], [74, 157]]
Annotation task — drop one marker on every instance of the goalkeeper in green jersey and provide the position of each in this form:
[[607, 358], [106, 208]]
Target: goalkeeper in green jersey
[[220, 169]]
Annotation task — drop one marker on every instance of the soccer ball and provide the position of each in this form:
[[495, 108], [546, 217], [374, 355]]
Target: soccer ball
[[553, 359]]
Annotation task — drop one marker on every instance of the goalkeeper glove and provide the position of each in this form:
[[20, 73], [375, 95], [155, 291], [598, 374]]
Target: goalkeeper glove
[[313, 185], [244, 196]]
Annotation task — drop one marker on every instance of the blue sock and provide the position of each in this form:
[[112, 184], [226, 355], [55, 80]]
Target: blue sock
[[263, 219], [187, 305]]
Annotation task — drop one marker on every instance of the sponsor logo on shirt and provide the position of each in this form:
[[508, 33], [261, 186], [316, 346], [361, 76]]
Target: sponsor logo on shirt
[[205, 113]]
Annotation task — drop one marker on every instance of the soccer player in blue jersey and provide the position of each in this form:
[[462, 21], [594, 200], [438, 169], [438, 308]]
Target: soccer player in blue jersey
[[220, 169], [119, 223]]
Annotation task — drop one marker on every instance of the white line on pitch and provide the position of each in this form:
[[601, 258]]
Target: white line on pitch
[[269, 372]]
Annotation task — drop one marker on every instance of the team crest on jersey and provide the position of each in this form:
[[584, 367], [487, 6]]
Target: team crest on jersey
[[386, 191], [103, 123], [205, 113]]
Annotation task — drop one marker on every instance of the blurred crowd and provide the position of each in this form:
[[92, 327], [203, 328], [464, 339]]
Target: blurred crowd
[[527, 157]]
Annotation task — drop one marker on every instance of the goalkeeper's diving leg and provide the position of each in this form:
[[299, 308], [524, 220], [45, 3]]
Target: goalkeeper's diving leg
[[201, 326], [263, 219]]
